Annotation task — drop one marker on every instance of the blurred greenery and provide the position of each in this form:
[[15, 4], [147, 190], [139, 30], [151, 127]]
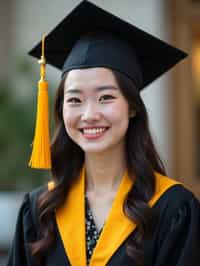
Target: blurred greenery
[[17, 121]]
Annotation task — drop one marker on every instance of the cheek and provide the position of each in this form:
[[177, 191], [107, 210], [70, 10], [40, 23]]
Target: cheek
[[119, 113], [70, 118]]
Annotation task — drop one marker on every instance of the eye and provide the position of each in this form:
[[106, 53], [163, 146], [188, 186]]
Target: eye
[[106, 97], [73, 100]]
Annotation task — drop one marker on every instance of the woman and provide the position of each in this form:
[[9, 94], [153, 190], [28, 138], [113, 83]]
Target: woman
[[109, 202]]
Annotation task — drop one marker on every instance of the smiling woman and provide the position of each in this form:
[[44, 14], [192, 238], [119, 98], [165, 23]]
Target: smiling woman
[[99, 111], [109, 201]]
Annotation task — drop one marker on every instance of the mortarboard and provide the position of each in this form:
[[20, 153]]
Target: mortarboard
[[63, 52], [92, 37]]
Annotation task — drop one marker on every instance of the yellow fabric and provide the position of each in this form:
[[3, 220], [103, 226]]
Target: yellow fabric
[[40, 157], [51, 185], [71, 221]]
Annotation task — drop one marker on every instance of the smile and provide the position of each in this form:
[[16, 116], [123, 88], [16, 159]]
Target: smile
[[93, 133]]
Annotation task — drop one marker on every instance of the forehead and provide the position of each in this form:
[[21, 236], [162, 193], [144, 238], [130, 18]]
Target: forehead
[[90, 77]]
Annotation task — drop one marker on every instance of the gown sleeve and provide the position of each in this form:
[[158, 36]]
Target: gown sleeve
[[20, 254], [179, 243]]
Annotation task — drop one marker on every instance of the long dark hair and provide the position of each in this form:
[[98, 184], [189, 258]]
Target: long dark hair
[[68, 158]]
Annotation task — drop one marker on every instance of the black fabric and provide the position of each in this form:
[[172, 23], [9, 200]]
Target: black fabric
[[175, 242], [25, 233], [130, 50], [103, 49]]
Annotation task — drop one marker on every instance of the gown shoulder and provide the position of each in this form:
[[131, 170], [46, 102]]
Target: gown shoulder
[[178, 229], [25, 232]]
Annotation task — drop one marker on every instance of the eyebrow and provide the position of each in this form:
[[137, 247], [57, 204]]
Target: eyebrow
[[98, 89]]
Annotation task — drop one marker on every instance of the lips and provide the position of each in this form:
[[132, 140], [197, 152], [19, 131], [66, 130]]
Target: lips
[[93, 132]]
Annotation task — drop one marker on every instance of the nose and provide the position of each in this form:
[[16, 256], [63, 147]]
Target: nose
[[90, 113]]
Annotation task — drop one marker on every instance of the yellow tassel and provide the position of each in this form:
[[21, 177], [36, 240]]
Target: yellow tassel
[[41, 156]]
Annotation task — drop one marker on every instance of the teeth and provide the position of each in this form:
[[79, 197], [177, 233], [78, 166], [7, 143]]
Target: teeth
[[93, 130]]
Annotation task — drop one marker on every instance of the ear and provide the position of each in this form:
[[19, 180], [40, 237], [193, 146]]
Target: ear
[[132, 113]]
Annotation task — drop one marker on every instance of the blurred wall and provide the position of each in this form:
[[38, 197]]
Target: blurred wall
[[5, 36]]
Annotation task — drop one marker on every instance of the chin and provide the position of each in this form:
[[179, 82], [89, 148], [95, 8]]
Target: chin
[[94, 150], [97, 149]]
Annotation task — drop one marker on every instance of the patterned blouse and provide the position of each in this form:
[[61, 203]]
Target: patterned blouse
[[92, 234]]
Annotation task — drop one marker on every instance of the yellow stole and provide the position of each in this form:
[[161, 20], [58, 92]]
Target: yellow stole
[[70, 218]]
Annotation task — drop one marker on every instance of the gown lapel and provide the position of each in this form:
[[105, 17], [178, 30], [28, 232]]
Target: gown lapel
[[70, 218]]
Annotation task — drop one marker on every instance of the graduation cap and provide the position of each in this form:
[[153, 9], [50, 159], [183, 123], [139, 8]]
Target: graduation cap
[[92, 37]]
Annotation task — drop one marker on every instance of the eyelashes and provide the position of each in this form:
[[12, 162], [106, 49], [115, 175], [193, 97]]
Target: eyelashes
[[107, 97], [75, 100]]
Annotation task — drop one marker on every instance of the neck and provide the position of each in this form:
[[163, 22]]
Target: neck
[[104, 171]]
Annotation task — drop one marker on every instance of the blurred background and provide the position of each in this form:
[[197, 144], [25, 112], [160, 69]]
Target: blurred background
[[173, 101]]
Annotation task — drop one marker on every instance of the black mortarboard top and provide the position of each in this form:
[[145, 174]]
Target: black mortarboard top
[[92, 37]]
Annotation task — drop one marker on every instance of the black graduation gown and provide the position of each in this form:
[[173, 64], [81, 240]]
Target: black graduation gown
[[175, 242]]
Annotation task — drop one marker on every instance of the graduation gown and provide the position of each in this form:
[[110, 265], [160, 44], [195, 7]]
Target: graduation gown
[[175, 241]]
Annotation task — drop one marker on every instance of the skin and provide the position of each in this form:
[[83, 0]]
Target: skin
[[98, 102]]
